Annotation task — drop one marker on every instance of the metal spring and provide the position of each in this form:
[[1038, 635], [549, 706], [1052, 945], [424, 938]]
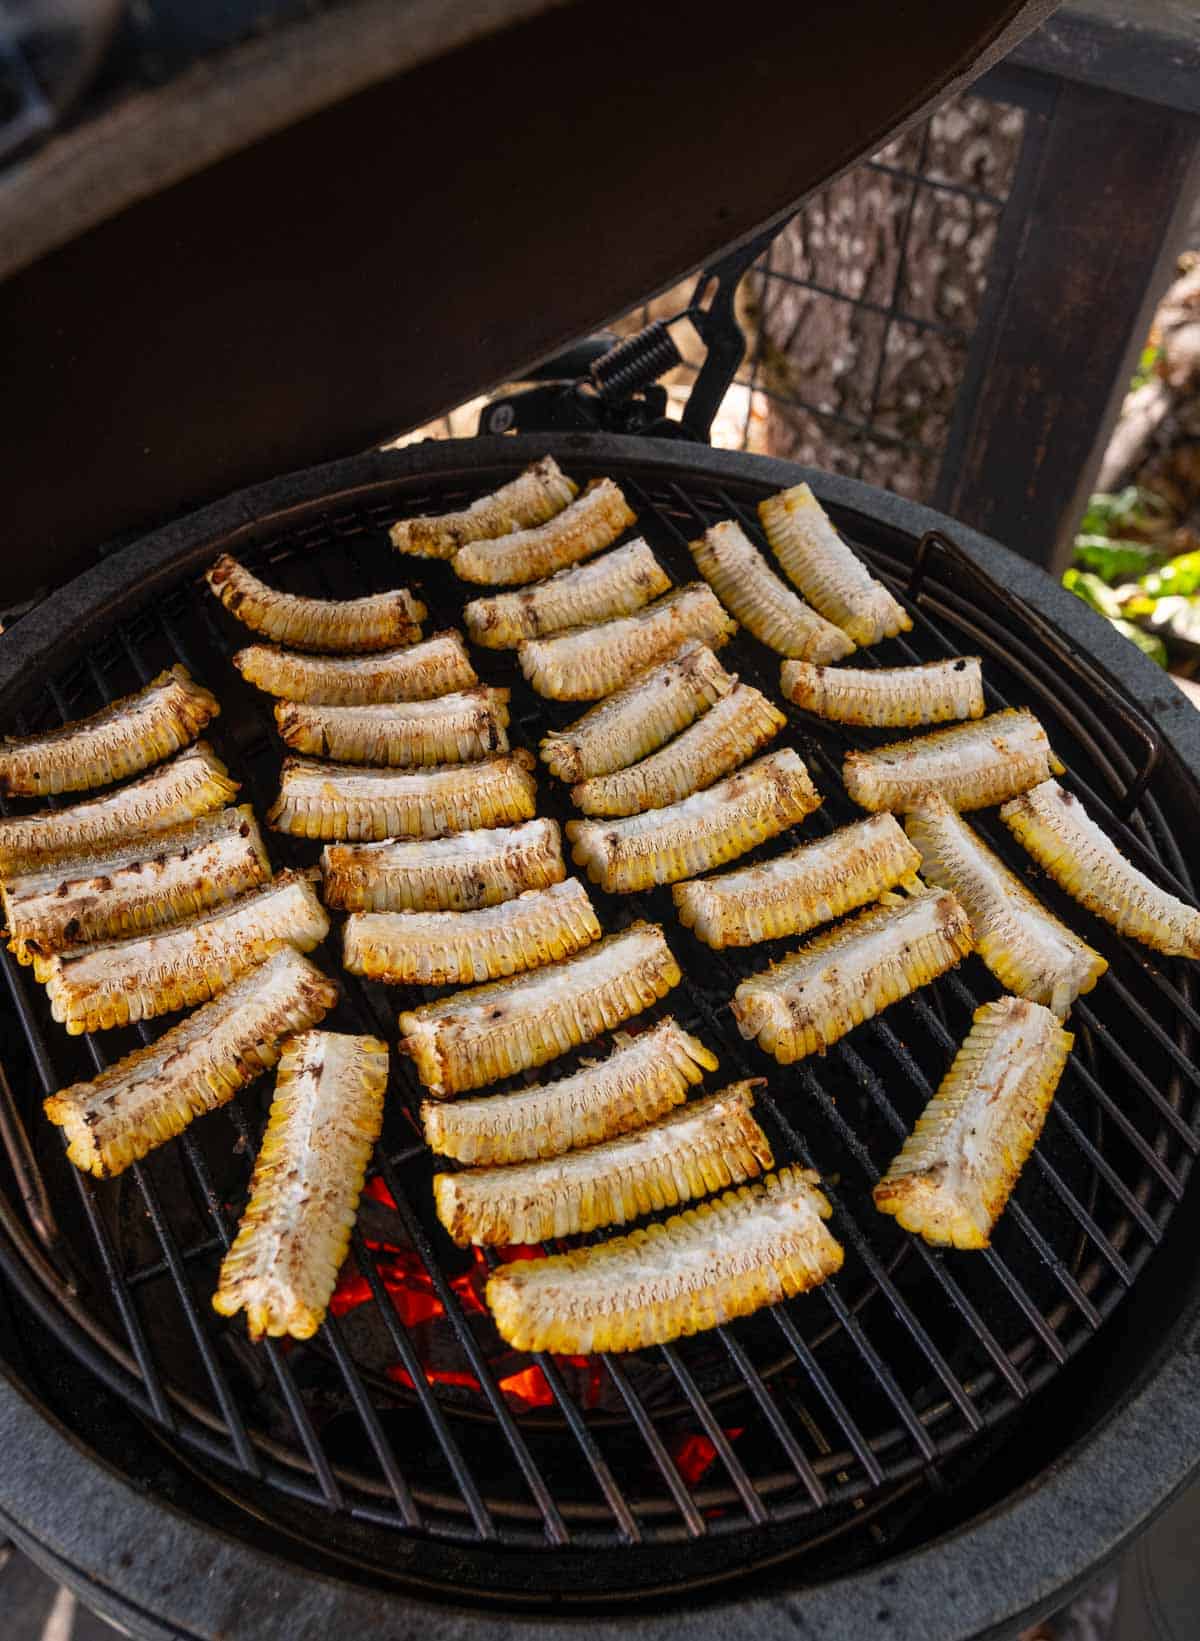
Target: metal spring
[[636, 362]]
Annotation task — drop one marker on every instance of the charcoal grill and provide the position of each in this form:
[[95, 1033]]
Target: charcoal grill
[[405, 1456]]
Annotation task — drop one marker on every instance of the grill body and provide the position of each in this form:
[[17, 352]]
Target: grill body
[[921, 1395]]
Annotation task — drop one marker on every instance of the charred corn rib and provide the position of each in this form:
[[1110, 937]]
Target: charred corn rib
[[154, 1093], [849, 974], [705, 830], [193, 784], [736, 728], [754, 1246], [451, 729], [418, 672], [639, 1082], [477, 1036], [1066, 842], [958, 1167], [888, 697], [379, 622], [334, 802], [1029, 951], [654, 705], [832, 578], [587, 525], [325, 1118], [459, 873], [617, 584], [461, 948], [119, 740], [114, 984], [754, 595], [970, 765], [147, 883], [794, 892], [702, 1147], [534, 496]]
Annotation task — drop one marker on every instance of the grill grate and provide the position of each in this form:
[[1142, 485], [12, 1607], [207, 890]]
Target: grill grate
[[809, 1420]]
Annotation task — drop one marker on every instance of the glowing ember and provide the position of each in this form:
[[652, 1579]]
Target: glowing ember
[[695, 1453]]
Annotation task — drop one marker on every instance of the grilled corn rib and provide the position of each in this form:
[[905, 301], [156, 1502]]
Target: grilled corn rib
[[534, 496], [834, 579], [888, 697], [587, 525], [450, 729], [707, 829], [618, 583], [119, 740], [1065, 841], [849, 974], [335, 802], [752, 1247], [459, 873], [970, 765], [754, 595], [654, 705], [639, 1082], [193, 784], [1029, 951], [325, 1118], [587, 662], [477, 1036], [123, 981], [794, 892], [154, 1093], [417, 672], [737, 727], [460, 948], [958, 1167], [379, 622], [702, 1147], [146, 883]]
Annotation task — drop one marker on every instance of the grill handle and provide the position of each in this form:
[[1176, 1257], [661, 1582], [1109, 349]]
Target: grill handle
[[30, 1183]]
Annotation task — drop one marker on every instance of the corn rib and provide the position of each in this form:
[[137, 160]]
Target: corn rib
[[832, 578], [888, 697], [640, 1081], [754, 1246], [957, 1169], [154, 1093], [587, 525], [379, 622], [336, 802], [754, 595], [417, 672], [534, 496], [970, 765], [459, 873], [325, 1118], [451, 729], [618, 583]]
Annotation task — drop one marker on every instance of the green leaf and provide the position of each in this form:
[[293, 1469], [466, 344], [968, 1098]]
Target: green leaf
[[1093, 591], [1177, 577], [1115, 560]]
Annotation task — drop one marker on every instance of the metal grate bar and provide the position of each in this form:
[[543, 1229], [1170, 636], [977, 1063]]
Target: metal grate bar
[[859, 1445], [1132, 1069], [613, 1495], [774, 1417], [692, 1519], [755, 1508]]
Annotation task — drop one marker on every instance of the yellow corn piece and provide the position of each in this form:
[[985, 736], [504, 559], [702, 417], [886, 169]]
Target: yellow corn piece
[[147, 883], [1066, 842], [808, 1001], [448, 730], [640, 716], [193, 784], [379, 622], [618, 583], [834, 579], [737, 727], [119, 740], [754, 1246], [416, 672], [702, 1147], [1028, 950], [459, 873], [154, 1093], [639, 1082], [707, 829], [122, 981], [587, 525], [754, 595], [794, 892], [970, 765], [958, 1167], [336, 801], [325, 1118], [477, 1036], [888, 697], [534, 496], [587, 662]]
